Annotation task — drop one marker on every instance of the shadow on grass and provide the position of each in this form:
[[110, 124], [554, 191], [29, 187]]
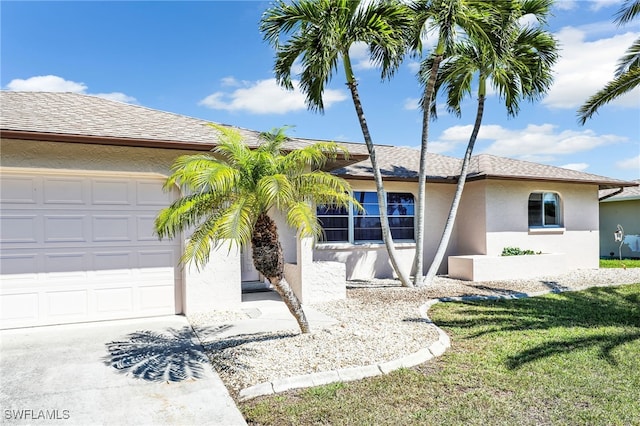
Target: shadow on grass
[[604, 307]]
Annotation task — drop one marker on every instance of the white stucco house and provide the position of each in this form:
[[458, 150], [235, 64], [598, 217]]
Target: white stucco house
[[81, 181]]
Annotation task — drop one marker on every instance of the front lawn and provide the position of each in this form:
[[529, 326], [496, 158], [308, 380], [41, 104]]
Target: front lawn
[[617, 263], [561, 359]]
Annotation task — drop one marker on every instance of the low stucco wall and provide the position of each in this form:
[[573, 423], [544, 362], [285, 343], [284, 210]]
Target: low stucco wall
[[365, 261], [216, 286], [494, 268], [319, 282]]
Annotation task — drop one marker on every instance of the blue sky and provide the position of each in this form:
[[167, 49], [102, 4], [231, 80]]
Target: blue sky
[[207, 59]]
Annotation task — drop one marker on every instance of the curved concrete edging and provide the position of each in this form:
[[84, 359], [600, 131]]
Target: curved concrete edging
[[434, 350]]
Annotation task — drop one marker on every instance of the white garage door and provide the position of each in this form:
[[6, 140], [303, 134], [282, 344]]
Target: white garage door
[[80, 247]]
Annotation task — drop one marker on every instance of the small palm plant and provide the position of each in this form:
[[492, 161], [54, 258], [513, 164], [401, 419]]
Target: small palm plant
[[229, 195]]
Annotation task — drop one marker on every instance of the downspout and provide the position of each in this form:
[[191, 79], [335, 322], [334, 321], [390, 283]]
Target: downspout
[[613, 194]]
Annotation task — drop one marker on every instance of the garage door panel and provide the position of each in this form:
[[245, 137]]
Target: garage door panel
[[111, 192], [113, 228], [19, 266], [114, 300], [18, 190], [19, 228], [66, 228], [20, 308], [67, 191], [67, 305], [82, 248], [150, 193], [145, 228]]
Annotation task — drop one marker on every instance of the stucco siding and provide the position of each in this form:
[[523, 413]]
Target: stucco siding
[[74, 156], [507, 221], [471, 223]]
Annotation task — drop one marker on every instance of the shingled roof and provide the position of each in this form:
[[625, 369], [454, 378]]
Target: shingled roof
[[622, 194], [73, 117]]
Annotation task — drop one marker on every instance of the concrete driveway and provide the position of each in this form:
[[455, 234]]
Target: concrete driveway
[[144, 371]]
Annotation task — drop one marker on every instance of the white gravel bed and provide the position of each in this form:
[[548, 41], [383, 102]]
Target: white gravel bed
[[379, 321]]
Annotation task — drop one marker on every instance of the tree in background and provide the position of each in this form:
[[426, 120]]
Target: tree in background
[[319, 33], [627, 75], [517, 64], [228, 197]]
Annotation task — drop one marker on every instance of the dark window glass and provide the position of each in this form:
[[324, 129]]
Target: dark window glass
[[544, 209], [366, 224]]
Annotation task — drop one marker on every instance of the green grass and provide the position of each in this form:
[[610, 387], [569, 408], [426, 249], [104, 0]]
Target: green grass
[[561, 359], [617, 263]]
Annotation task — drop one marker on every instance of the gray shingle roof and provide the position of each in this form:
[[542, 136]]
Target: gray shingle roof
[[47, 114], [628, 193]]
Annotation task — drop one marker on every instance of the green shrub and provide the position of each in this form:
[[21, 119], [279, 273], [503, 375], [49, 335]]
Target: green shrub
[[516, 251]]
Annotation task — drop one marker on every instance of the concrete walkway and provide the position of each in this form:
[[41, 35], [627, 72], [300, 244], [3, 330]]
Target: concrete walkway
[[131, 372], [267, 313]]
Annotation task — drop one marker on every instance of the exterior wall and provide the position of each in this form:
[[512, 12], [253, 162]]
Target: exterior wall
[[471, 223], [625, 213], [507, 221], [198, 287], [369, 260]]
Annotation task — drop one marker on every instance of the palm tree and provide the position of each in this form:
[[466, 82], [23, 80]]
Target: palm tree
[[518, 65], [320, 33], [448, 18], [228, 197], [627, 75]]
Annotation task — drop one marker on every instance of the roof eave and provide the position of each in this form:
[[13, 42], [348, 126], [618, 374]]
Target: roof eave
[[602, 184]]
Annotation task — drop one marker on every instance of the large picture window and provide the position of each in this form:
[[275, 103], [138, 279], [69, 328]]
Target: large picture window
[[351, 225], [544, 209]]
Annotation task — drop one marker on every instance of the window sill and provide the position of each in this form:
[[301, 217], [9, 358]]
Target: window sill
[[546, 230], [352, 246]]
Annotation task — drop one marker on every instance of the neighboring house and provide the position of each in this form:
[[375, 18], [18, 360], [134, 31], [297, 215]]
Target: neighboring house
[[82, 182], [620, 207]]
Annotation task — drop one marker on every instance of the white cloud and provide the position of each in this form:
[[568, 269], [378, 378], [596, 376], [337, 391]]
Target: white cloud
[[414, 66], [46, 83], [411, 104], [630, 163], [229, 82], [53, 83], [117, 96], [533, 143], [576, 166], [579, 75], [266, 97], [599, 4]]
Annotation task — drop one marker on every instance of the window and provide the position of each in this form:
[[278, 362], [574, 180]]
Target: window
[[544, 209], [351, 225]]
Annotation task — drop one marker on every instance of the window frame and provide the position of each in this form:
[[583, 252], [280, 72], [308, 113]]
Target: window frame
[[352, 215], [542, 219]]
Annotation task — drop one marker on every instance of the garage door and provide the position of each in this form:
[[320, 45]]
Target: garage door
[[78, 247]]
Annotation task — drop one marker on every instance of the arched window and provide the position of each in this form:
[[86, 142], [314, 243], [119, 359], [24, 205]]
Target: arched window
[[545, 209]]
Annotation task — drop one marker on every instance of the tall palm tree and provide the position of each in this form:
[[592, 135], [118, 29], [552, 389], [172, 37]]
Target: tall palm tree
[[228, 197], [627, 75], [449, 19], [518, 66], [320, 33]]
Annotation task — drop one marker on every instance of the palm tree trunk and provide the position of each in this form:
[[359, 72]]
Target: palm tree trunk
[[289, 298], [418, 262], [269, 261], [448, 228], [377, 175]]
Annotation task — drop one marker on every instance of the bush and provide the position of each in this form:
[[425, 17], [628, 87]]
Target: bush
[[516, 251]]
